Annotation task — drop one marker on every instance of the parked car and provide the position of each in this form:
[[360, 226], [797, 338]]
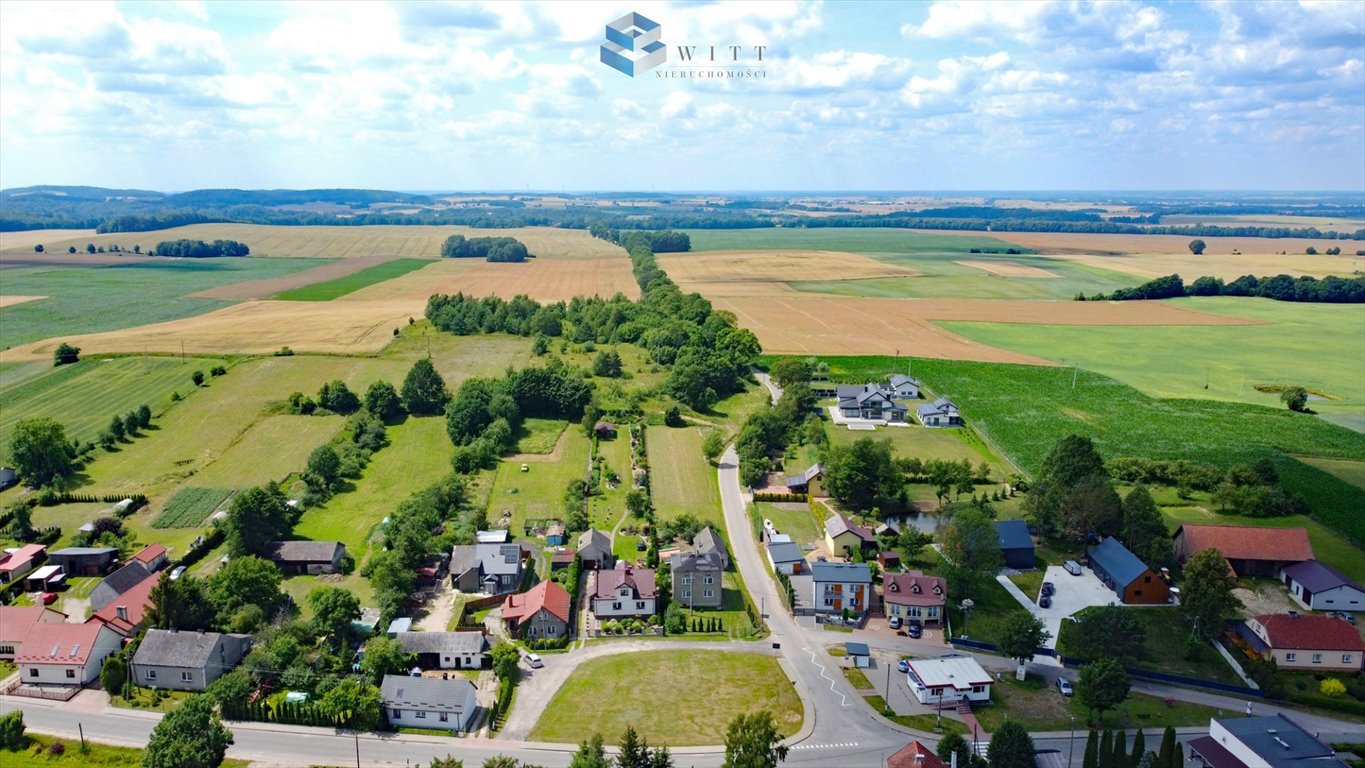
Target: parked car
[[1344, 616], [533, 660], [1045, 601], [1049, 588], [641, 546], [177, 572], [895, 622], [903, 665], [915, 629], [1064, 686], [1072, 567], [49, 598]]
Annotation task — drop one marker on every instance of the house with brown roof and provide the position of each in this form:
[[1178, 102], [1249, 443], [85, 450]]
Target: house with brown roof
[[625, 592], [65, 654], [1249, 550], [1305, 641], [914, 596], [914, 755], [16, 621], [540, 612], [127, 613], [843, 536], [153, 557]]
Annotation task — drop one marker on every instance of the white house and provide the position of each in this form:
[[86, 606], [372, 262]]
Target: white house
[[1321, 587], [905, 387], [65, 654], [836, 586], [428, 702], [948, 680], [15, 623], [1261, 742], [623, 592], [940, 413]]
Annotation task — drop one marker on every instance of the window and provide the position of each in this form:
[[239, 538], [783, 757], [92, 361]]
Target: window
[[709, 593], [71, 673], [1317, 658], [550, 630], [616, 606], [1291, 656], [1346, 658], [709, 580], [395, 714], [687, 581], [7, 649], [187, 677], [421, 715], [33, 672], [688, 593], [445, 718], [639, 605]]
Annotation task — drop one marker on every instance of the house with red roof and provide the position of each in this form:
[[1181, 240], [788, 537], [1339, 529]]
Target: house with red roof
[[1305, 641], [914, 755], [1250, 550], [153, 557], [65, 654], [16, 621], [541, 612], [15, 564], [914, 596], [127, 613]]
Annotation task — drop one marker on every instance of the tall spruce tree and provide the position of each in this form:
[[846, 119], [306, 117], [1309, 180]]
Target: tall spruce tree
[[1139, 748], [1092, 750], [1169, 756], [1120, 758], [1107, 749]]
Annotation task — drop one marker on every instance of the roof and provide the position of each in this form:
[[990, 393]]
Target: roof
[[856, 649], [82, 551], [1310, 632], [941, 405], [64, 643], [898, 379], [135, 601], [303, 551], [150, 553], [555, 530], [45, 572], [1317, 576], [462, 558], [1214, 754], [779, 538], [565, 556], [1014, 534], [837, 525], [1249, 636], [593, 544], [499, 559], [1276, 739], [914, 755], [399, 625], [496, 536], [547, 595], [640, 580], [442, 642], [847, 573], [165, 648], [22, 557], [1114, 559], [695, 562], [913, 588], [854, 396], [130, 575], [1246, 542], [785, 552], [431, 694], [707, 540], [17, 620], [957, 672]]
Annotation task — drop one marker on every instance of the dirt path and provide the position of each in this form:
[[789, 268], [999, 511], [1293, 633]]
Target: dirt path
[[440, 609]]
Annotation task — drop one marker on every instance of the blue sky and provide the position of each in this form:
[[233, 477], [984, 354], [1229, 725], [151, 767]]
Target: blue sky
[[857, 96]]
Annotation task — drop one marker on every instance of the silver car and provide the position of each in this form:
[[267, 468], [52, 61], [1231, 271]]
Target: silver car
[[1064, 686]]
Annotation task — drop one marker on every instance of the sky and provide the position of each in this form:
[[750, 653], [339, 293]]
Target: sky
[[940, 95]]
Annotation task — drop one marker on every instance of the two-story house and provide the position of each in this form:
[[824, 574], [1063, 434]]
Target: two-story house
[[839, 586], [697, 579], [491, 568], [625, 592], [914, 596]]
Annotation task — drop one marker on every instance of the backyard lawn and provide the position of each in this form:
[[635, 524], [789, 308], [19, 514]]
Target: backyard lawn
[[733, 617], [792, 518], [926, 443], [681, 480], [537, 493], [1039, 707], [1166, 633], [638, 689], [606, 509]]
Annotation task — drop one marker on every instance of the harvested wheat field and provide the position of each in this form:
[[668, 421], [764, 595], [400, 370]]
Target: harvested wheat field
[[336, 242], [541, 279], [25, 240], [1224, 265], [826, 325], [1008, 269], [1086, 242], [9, 301], [264, 289], [764, 266]]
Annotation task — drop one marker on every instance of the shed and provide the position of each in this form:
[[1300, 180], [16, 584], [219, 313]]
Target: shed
[[1121, 571], [889, 561], [8, 478], [554, 535], [858, 653], [1016, 545], [403, 624], [605, 430]]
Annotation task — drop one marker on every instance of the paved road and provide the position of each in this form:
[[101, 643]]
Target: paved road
[[774, 391]]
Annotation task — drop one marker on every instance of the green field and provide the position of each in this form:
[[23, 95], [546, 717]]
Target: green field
[[331, 289], [1352, 472], [612, 692], [794, 519], [189, 507], [272, 449], [86, 395], [1039, 707], [926, 443], [680, 478], [93, 299], [851, 239], [608, 507], [538, 493], [418, 454], [539, 436], [1165, 636], [68, 517]]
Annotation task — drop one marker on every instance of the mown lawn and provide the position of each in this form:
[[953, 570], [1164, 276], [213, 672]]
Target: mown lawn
[[1039, 707], [930, 723], [633, 689], [539, 436], [537, 493], [681, 480], [608, 506], [274, 448], [925, 443], [796, 519], [1165, 640], [93, 755], [331, 289]]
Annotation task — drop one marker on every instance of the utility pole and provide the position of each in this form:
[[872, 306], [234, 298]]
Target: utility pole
[[357, 750], [1070, 743]]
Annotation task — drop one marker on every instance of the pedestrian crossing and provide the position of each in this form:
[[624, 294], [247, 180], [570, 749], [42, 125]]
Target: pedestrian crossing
[[840, 745]]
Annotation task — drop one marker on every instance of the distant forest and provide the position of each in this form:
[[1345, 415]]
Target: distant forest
[[111, 210]]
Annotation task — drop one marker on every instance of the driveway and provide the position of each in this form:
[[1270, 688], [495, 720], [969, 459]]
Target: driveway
[[1074, 594]]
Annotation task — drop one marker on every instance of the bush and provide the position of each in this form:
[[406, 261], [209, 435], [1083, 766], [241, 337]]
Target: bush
[[56, 748], [1332, 687], [284, 352], [65, 353], [218, 370], [12, 730]]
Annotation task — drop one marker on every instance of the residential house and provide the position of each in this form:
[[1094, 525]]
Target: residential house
[[428, 702], [306, 557], [914, 755], [1121, 571], [1016, 545], [840, 586], [914, 596], [186, 661], [65, 654], [1320, 587], [1251, 551], [1305, 641], [785, 557], [844, 537], [946, 681], [940, 413], [16, 621], [16, 563], [542, 612], [84, 561], [490, 568], [126, 614], [153, 557], [870, 401], [708, 542], [594, 548], [809, 481], [696, 579], [1261, 742], [554, 536], [626, 592], [446, 650], [107, 591], [904, 387], [495, 536]]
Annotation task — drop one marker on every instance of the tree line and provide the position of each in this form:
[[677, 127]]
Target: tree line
[[665, 241], [497, 249], [198, 249], [1305, 288]]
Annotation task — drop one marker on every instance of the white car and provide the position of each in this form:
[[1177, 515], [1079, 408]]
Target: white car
[[178, 572], [533, 661]]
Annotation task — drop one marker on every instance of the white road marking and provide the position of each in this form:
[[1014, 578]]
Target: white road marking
[[821, 667], [840, 745]]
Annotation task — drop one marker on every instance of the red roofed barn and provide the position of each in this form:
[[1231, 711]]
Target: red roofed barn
[[1249, 550]]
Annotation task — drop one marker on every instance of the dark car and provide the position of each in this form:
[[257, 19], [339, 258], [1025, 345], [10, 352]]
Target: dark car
[[914, 629], [1049, 588], [1045, 601]]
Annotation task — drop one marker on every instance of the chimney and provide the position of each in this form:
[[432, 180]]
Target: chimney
[[122, 612]]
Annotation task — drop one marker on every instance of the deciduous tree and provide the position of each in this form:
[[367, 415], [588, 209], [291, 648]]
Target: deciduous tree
[[713, 445], [40, 451], [65, 353], [256, 516], [385, 656], [791, 370], [1295, 398], [971, 550], [191, 736], [1103, 685], [245, 580], [1206, 594], [860, 474], [1197, 247], [333, 611], [355, 703], [753, 741], [424, 392], [1010, 747], [1110, 631], [1022, 635], [382, 400]]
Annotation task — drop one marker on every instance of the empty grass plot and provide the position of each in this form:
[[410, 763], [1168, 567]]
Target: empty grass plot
[[680, 479], [189, 507], [331, 289]]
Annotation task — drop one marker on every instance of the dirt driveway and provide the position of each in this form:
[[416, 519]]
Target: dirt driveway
[[440, 608]]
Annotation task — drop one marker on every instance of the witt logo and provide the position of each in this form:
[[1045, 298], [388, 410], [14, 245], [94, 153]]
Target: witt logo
[[632, 46]]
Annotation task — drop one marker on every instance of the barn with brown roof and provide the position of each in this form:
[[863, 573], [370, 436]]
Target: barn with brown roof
[[1251, 551]]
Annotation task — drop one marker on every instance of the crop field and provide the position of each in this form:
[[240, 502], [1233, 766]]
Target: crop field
[[1352, 472], [331, 289], [929, 443], [769, 266], [680, 479], [541, 279], [1324, 223], [418, 454], [951, 276], [25, 240], [537, 493], [831, 325], [84, 396], [327, 270], [1008, 269], [189, 507], [272, 449], [1179, 361], [852, 239], [627, 689], [83, 300]]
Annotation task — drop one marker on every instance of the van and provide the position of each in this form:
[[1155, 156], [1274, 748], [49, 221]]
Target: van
[[533, 661], [1072, 567]]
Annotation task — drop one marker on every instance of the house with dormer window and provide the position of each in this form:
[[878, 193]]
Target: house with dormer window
[[914, 596], [625, 592]]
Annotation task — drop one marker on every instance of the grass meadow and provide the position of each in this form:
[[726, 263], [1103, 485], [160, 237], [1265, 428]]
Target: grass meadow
[[634, 689], [272, 449], [84, 396], [796, 519], [680, 479], [537, 493], [608, 507], [93, 299], [331, 289], [926, 443]]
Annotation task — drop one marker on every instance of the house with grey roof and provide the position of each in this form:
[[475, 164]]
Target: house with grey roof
[[428, 702], [696, 579], [709, 542], [940, 413], [840, 586], [806, 482], [489, 568], [1129, 577], [869, 401], [446, 650], [84, 561], [904, 387], [186, 661], [305, 557], [786, 557], [1273, 741], [116, 583], [594, 549], [1320, 587]]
